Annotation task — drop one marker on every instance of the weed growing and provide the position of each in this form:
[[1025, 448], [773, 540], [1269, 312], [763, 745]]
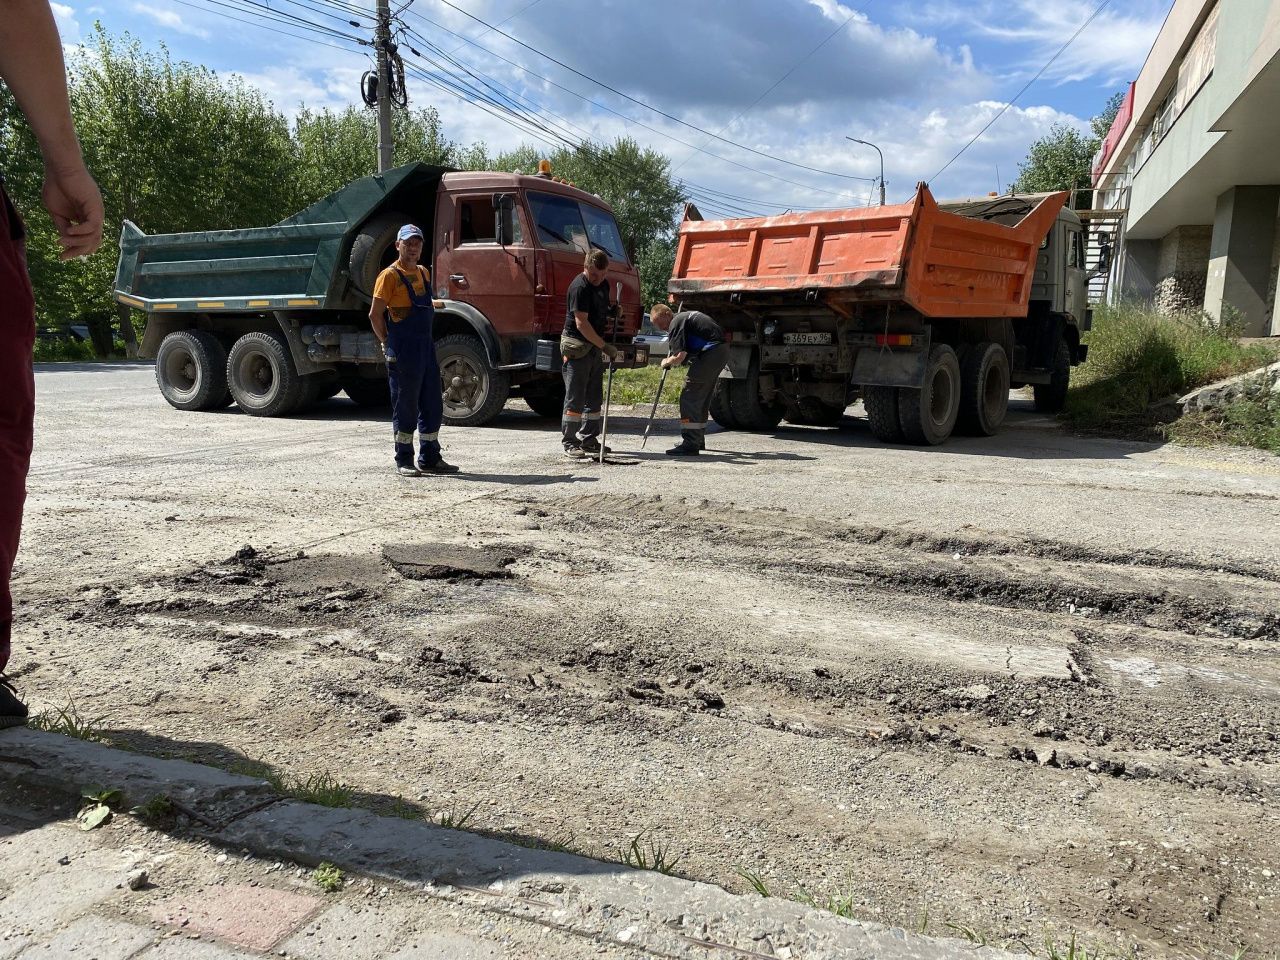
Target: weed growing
[[321, 789], [1138, 357], [456, 818], [327, 877], [69, 722], [1245, 423], [754, 879], [647, 853]]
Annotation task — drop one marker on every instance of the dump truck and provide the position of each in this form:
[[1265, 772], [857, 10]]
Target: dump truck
[[929, 313], [275, 318]]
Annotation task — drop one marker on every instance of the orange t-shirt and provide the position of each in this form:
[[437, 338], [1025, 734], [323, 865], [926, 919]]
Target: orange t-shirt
[[390, 290]]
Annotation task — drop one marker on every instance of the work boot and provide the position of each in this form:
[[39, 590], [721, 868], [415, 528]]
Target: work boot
[[408, 470], [574, 451], [437, 466], [684, 449], [591, 446], [13, 712]]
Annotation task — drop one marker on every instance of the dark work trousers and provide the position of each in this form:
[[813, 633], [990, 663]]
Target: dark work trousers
[[17, 400], [414, 378], [583, 397], [695, 398]]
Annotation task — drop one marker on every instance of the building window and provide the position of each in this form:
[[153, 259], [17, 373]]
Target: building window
[[1197, 65], [476, 221]]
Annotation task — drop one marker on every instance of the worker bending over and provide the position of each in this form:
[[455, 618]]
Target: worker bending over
[[402, 315], [696, 338], [583, 349]]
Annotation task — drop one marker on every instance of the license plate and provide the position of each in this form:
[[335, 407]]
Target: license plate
[[807, 339]]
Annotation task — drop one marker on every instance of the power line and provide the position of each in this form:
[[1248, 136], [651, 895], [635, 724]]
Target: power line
[[1025, 87], [262, 26], [640, 103], [842, 195]]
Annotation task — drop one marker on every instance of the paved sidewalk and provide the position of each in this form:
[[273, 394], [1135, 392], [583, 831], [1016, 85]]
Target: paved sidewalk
[[65, 894], [227, 879]]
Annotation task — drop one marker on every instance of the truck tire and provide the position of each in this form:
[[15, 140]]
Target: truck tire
[[749, 409], [809, 412], [373, 250], [928, 415], [545, 397], [721, 412], [984, 390], [1051, 397], [262, 377], [474, 393], [367, 391], [191, 370], [882, 413]]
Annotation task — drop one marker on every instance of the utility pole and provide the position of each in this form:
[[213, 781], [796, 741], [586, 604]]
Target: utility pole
[[382, 41], [867, 143]]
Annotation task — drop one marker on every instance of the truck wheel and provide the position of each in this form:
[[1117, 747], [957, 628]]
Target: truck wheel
[[749, 409], [367, 391], [545, 397], [373, 250], [474, 393], [1051, 397], [984, 390], [808, 412], [191, 370], [262, 377], [721, 412], [928, 415], [882, 412]]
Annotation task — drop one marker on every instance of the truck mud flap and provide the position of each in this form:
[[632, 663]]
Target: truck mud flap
[[890, 368], [739, 365]]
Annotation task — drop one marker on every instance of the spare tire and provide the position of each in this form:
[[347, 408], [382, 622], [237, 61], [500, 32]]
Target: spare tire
[[373, 250]]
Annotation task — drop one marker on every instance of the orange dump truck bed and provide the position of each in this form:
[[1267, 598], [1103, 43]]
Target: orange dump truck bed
[[941, 264]]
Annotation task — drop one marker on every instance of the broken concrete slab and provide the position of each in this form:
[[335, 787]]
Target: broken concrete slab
[[449, 561], [1255, 383], [602, 902]]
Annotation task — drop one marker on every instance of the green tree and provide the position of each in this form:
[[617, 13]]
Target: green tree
[[1062, 159], [655, 261], [173, 147], [336, 147]]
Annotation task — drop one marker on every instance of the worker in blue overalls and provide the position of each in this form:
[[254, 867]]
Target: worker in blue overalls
[[401, 315]]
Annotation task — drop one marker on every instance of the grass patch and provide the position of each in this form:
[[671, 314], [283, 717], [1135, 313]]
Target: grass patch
[[647, 853], [322, 789], [841, 906], [755, 880], [327, 877], [456, 817], [69, 722], [641, 384], [1246, 423], [1138, 357], [62, 350]]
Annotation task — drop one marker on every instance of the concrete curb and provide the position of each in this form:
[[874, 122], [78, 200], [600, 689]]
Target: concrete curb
[[604, 902]]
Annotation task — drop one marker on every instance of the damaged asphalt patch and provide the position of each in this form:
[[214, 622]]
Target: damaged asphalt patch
[[448, 561]]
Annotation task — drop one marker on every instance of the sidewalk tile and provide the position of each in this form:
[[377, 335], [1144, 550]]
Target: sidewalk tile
[[98, 938], [254, 917], [341, 933], [184, 948], [448, 946]]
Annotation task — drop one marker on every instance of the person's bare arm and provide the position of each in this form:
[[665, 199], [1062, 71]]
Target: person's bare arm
[[583, 320], [31, 65], [377, 319], [675, 359]]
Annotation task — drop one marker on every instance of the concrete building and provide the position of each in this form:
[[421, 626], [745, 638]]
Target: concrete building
[[1194, 156]]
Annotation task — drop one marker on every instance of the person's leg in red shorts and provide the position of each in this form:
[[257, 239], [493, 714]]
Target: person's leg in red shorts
[[17, 410]]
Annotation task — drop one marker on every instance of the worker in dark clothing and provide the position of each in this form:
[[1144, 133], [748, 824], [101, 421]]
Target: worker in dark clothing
[[695, 338], [402, 314], [583, 350]]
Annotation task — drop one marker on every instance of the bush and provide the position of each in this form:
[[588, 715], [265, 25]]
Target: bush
[[62, 349], [1138, 357], [1247, 423]]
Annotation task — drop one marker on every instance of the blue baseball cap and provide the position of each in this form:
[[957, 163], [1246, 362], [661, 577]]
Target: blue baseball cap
[[409, 230]]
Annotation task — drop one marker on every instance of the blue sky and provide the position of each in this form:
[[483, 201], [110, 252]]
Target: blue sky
[[917, 78]]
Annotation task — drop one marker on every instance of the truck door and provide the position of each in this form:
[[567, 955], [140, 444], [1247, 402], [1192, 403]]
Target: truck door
[[1075, 300], [473, 267]]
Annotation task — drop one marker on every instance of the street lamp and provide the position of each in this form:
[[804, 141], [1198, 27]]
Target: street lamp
[[868, 143]]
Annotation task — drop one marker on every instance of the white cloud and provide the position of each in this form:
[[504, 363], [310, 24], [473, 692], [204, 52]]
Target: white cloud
[[293, 85], [68, 25], [167, 17]]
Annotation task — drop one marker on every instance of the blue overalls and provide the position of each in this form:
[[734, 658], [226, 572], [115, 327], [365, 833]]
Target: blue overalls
[[414, 377]]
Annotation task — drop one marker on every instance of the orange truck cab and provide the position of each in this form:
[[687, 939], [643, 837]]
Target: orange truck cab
[[276, 318]]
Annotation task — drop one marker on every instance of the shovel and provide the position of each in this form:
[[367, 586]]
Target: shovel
[[652, 413]]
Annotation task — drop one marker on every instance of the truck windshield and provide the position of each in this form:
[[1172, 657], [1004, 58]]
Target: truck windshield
[[565, 223]]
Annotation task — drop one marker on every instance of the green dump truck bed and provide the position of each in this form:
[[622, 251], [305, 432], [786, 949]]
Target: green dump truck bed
[[299, 263]]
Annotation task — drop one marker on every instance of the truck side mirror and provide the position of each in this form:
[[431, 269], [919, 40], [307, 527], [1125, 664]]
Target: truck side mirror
[[504, 215]]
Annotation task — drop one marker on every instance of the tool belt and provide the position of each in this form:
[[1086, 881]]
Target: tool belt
[[572, 348]]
